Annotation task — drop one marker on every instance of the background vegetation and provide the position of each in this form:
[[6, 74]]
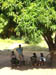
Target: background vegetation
[[29, 20]]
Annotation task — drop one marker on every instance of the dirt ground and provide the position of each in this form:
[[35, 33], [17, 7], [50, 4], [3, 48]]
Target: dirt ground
[[5, 56], [5, 65]]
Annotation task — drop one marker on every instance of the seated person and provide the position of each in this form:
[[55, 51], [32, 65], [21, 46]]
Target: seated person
[[42, 59], [14, 60], [34, 59]]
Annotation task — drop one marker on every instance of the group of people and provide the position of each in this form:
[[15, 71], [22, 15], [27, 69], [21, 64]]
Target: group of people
[[21, 61], [39, 62], [14, 60]]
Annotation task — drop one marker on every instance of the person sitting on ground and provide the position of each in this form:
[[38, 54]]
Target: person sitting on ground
[[42, 59], [34, 59], [20, 53], [14, 60]]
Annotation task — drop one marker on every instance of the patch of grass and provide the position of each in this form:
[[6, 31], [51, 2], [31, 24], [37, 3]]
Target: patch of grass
[[6, 43], [43, 44], [35, 48]]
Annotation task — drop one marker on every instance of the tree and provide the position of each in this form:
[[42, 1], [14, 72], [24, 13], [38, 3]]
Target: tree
[[7, 13], [30, 18], [40, 16]]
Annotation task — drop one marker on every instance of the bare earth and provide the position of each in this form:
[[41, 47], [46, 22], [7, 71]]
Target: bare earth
[[5, 67]]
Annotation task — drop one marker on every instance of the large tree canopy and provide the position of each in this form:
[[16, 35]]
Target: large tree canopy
[[30, 18]]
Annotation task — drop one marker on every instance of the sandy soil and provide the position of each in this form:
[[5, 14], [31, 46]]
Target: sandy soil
[[5, 56], [5, 67], [8, 71]]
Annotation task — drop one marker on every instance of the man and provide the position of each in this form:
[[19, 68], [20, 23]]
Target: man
[[20, 52]]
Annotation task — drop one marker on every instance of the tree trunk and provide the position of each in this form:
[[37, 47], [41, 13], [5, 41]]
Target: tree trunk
[[49, 40], [51, 45], [52, 48], [55, 38]]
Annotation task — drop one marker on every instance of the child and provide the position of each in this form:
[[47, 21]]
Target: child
[[42, 59], [34, 59], [14, 61]]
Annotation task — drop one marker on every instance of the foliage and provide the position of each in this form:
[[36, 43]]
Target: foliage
[[37, 18], [28, 18]]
